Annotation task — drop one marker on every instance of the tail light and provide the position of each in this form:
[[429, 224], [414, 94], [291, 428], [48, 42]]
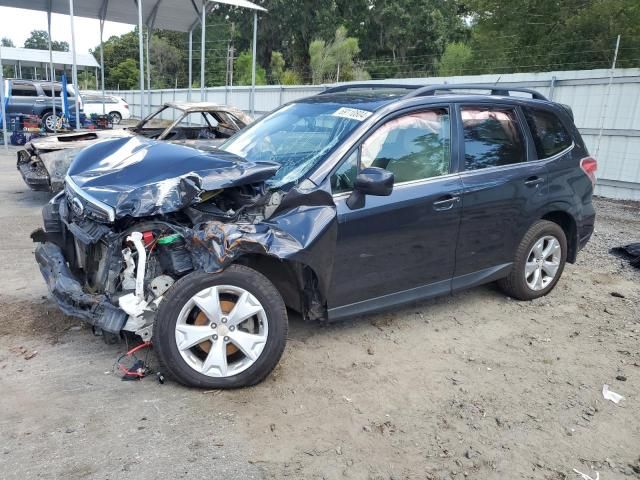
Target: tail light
[[589, 165], [126, 105]]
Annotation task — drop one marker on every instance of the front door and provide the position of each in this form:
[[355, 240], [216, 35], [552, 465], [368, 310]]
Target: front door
[[404, 242]]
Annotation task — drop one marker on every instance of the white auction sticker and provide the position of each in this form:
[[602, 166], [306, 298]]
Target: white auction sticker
[[352, 113]]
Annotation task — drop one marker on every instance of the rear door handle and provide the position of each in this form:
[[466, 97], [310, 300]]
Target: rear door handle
[[445, 203], [533, 181]]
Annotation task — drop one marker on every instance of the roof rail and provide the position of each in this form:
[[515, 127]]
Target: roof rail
[[371, 86], [502, 90]]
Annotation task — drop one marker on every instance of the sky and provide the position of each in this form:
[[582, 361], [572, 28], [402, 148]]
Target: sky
[[17, 24]]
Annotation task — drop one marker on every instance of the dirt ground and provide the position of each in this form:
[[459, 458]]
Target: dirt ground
[[474, 385]]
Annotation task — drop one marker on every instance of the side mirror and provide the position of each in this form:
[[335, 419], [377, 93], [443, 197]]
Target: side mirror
[[370, 181]]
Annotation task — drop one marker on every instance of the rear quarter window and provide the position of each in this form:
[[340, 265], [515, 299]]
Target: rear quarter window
[[549, 134]]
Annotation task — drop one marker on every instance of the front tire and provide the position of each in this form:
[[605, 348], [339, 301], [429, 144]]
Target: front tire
[[224, 330], [539, 262]]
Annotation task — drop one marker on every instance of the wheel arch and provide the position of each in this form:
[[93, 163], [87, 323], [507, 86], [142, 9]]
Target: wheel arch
[[567, 222], [296, 282]]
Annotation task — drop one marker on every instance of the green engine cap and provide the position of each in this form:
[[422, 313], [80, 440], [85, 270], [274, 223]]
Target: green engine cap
[[169, 239]]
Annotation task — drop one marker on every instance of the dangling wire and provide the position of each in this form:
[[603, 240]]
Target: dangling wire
[[140, 368]]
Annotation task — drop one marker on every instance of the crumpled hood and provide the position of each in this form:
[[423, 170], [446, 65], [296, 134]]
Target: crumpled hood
[[141, 177]]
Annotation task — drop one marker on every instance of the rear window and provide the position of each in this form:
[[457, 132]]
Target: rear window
[[549, 134]]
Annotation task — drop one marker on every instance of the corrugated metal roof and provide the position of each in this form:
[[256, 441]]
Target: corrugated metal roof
[[29, 55], [176, 15]]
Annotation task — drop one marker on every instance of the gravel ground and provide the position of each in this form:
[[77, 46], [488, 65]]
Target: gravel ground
[[474, 385]]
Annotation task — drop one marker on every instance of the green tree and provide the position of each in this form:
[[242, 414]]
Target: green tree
[[333, 61], [291, 77], [521, 35], [277, 67], [125, 75], [343, 50], [242, 75], [455, 60], [166, 63], [6, 42], [39, 40]]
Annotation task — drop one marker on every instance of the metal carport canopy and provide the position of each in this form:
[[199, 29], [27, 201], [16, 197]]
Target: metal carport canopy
[[176, 15]]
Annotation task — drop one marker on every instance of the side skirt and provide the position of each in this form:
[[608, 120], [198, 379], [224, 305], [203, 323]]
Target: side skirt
[[424, 292]]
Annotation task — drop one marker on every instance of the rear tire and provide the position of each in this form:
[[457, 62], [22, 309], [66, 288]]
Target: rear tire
[[115, 118], [539, 262], [201, 365], [51, 122]]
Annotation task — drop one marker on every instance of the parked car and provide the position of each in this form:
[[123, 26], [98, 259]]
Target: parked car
[[115, 107], [355, 200], [33, 97], [43, 163]]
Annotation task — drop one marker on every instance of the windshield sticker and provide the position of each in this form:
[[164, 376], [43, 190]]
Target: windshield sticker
[[352, 113]]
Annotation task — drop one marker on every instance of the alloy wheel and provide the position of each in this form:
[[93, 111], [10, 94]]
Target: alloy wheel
[[221, 331], [543, 262]]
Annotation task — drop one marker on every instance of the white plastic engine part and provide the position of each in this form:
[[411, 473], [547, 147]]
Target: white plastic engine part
[[128, 275]]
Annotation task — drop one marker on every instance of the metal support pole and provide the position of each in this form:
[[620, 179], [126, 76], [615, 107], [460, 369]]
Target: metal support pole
[[253, 64], [202, 48], [74, 72], [102, 63], [148, 72], [141, 48], [52, 69], [5, 136], [552, 87], [605, 101], [190, 64]]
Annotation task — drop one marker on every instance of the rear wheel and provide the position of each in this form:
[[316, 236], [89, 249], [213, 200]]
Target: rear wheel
[[223, 330], [51, 122], [115, 118], [539, 262]]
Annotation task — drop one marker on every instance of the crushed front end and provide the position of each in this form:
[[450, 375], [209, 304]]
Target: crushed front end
[[113, 271]]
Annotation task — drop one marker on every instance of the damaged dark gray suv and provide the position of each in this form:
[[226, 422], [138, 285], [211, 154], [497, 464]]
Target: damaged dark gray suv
[[355, 200]]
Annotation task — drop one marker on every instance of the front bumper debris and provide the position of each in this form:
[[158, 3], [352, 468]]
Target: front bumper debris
[[33, 172], [96, 309]]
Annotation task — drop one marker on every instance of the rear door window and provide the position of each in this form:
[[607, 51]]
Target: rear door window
[[47, 90], [492, 137], [24, 90], [549, 134]]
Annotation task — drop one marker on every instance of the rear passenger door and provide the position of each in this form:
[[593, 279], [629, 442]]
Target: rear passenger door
[[502, 190]]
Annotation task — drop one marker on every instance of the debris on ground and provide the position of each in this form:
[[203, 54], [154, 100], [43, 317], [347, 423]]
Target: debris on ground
[[584, 476], [24, 352], [631, 252], [611, 395]]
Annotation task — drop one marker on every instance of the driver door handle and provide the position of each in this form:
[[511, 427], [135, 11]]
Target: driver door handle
[[533, 181], [445, 203]]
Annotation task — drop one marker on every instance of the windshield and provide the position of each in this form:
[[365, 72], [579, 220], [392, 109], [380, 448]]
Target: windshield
[[298, 137]]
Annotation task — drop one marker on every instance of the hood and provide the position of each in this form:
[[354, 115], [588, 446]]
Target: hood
[[140, 177], [78, 139]]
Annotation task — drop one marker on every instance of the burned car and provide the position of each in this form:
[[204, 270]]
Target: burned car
[[44, 162], [354, 200]]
